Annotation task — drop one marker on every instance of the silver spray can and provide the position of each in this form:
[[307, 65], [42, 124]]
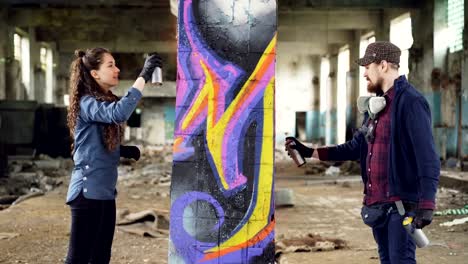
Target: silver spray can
[[416, 234], [156, 77], [295, 155]]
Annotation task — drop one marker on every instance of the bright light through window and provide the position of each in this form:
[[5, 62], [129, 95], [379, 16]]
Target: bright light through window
[[47, 66], [21, 54], [402, 36], [456, 20], [17, 45], [343, 68], [324, 72]]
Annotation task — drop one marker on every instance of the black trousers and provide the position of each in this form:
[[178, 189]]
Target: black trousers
[[92, 231]]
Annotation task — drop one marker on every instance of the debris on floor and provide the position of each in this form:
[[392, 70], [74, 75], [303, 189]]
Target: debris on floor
[[150, 223], [307, 243], [458, 221], [22, 198], [284, 197], [332, 171], [315, 168], [456, 211], [30, 176], [8, 235]]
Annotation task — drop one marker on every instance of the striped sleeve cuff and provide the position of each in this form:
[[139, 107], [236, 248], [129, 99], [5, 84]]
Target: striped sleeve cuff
[[426, 204]]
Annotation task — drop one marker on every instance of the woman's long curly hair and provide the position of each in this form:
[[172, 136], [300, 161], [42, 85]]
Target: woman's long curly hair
[[82, 83]]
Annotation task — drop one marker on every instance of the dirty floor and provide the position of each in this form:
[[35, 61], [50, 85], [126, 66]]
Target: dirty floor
[[330, 210]]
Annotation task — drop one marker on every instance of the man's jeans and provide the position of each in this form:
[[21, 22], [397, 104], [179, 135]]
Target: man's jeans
[[395, 245]]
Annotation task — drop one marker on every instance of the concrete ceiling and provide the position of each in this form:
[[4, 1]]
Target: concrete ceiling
[[130, 26], [361, 4], [82, 3]]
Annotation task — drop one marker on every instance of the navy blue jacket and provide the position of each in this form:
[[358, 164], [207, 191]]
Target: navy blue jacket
[[413, 165]]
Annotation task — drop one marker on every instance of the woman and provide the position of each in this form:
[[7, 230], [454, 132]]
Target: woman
[[95, 119]]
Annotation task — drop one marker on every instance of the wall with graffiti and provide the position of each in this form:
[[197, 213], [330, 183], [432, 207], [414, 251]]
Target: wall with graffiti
[[222, 206]]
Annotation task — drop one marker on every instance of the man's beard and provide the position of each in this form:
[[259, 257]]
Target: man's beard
[[375, 87]]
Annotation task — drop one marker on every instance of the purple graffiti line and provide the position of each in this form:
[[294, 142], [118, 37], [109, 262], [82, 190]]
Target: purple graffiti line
[[223, 126], [187, 246]]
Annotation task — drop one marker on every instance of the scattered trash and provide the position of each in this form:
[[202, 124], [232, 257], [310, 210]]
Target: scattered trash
[[28, 196], [460, 211], [307, 243], [8, 235], [149, 223], [315, 168], [284, 197], [455, 222], [29, 177], [333, 171]]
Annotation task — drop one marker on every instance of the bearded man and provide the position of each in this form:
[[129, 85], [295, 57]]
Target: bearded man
[[399, 164]]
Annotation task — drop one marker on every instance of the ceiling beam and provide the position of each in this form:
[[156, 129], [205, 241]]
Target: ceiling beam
[[81, 3], [305, 35], [330, 19], [361, 4], [120, 46]]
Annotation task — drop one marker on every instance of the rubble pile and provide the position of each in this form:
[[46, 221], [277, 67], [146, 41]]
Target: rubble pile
[[307, 243], [154, 167], [147, 223], [29, 177]]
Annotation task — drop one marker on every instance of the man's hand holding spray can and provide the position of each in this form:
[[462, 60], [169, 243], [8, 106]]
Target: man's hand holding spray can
[[298, 151], [415, 233]]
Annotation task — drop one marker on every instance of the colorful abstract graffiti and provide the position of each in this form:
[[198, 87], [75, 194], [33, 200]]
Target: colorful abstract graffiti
[[222, 206]]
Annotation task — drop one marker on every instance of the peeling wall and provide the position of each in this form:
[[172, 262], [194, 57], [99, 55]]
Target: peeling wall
[[222, 207]]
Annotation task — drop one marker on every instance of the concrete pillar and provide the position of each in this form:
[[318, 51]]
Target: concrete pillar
[[12, 69], [64, 60], [35, 62], [332, 85], [382, 29], [464, 76], [222, 207], [313, 116], [3, 57], [353, 86]]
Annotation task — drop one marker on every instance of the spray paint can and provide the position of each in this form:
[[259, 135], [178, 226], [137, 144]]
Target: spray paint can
[[156, 77], [418, 235], [295, 155]]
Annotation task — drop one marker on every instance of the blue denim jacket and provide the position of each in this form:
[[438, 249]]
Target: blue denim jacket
[[95, 171]]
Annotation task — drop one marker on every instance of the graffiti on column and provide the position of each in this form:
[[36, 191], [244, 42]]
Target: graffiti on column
[[222, 207]]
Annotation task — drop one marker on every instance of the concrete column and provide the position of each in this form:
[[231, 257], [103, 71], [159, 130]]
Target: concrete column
[[3, 57], [464, 76], [12, 68], [222, 206], [332, 85], [382, 30], [35, 62], [353, 86], [313, 116], [421, 58]]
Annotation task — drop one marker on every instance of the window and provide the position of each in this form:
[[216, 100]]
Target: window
[[455, 15], [43, 58], [324, 72], [402, 36], [21, 54], [366, 40], [17, 44], [46, 58]]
